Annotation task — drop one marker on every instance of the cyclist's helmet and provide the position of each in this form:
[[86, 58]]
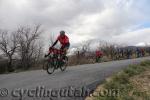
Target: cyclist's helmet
[[62, 32]]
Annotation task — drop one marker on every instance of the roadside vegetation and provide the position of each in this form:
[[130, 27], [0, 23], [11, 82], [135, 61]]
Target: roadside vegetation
[[133, 83]]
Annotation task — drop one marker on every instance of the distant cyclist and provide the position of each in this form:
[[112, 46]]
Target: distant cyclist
[[64, 41], [99, 55]]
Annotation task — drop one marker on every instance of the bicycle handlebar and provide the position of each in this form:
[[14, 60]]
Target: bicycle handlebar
[[55, 51]]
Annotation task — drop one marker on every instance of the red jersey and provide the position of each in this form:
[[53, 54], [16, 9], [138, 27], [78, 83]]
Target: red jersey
[[63, 39], [99, 53]]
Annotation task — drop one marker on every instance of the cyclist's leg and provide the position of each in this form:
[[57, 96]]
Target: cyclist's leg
[[65, 48]]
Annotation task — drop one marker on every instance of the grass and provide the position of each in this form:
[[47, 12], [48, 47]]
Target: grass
[[122, 82]]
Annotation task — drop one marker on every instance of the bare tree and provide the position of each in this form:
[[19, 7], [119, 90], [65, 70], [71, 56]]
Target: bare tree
[[28, 38], [83, 52], [8, 45], [38, 52], [85, 47]]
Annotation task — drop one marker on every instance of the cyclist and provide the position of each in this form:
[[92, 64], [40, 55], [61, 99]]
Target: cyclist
[[99, 55], [64, 41]]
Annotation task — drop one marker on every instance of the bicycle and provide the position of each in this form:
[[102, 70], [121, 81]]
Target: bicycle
[[56, 59]]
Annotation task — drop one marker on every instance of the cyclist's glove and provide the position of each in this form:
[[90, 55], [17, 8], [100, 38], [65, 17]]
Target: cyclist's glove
[[45, 56]]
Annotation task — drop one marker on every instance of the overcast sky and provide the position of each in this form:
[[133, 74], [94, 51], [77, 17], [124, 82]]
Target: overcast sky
[[120, 21]]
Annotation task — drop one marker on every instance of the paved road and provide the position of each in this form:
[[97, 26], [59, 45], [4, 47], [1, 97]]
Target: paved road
[[74, 83]]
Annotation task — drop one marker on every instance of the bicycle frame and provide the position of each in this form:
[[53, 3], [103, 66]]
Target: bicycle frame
[[55, 59]]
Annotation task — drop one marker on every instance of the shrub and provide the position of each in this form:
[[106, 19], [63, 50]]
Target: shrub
[[3, 67]]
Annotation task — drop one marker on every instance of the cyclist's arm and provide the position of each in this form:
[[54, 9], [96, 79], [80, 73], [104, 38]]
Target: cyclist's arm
[[55, 43]]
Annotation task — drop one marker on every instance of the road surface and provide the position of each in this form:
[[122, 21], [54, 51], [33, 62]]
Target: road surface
[[73, 84]]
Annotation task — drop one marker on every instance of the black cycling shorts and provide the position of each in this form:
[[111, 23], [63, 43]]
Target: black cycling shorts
[[67, 45]]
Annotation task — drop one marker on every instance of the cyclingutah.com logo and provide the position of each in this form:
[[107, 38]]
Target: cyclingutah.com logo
[[3, 92], [43, 92]]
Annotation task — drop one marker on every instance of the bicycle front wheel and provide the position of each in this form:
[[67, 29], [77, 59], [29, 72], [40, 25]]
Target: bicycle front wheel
[[50, 68]]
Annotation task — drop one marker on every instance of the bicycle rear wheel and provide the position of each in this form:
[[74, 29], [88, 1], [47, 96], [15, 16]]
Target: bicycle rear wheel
[[64, 65]]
